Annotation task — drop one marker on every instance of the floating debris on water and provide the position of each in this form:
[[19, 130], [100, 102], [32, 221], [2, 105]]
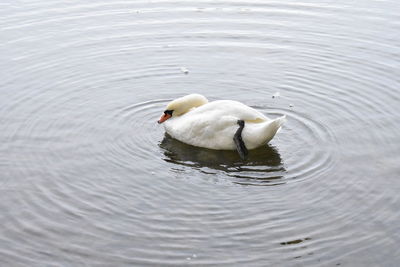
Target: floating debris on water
[[291, 105], [277, 94], [184, 70]]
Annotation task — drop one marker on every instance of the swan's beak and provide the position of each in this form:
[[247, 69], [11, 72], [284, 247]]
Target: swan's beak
[[164, 117]]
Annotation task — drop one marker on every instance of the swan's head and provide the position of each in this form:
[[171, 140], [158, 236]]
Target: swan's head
[[182, 105]]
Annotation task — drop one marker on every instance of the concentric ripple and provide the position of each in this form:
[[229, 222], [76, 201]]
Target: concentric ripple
[[264, 165], [137, 134]]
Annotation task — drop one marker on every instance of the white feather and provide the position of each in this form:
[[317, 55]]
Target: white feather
[[213, 124]]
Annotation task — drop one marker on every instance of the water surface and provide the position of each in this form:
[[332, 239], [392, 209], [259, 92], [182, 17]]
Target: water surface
[[88, 177]]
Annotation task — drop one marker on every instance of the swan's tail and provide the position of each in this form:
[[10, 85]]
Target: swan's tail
[[262, 133], [279, 122], [273, 128]]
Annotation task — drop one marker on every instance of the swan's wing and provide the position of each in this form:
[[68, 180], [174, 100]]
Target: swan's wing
[[220, 108], [204, 129]]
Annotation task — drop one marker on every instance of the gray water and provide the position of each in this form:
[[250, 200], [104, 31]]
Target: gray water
[[87, 176]]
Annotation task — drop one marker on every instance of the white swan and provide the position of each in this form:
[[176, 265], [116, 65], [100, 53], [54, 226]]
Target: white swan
[[221, 125]]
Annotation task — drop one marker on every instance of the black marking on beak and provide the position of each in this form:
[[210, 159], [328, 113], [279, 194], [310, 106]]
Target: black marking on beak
[[169, 112]]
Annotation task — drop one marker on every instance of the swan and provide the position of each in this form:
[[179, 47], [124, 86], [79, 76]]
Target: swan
[[220, 125]]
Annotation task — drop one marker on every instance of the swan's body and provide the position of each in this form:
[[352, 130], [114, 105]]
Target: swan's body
[[213, 125]]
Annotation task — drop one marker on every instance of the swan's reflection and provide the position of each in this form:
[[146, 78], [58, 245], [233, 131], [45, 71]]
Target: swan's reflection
[[262, 167]]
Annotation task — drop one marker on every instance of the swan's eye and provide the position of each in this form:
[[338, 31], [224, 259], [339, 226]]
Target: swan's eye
[[169, 112]]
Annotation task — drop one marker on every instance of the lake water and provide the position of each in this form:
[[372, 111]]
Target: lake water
[[87, 176]]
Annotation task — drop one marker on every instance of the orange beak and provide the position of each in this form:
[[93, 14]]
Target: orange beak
[[164, 117]]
